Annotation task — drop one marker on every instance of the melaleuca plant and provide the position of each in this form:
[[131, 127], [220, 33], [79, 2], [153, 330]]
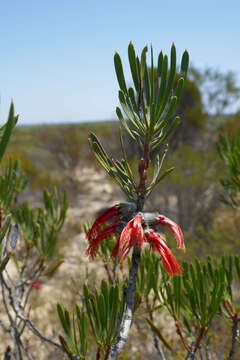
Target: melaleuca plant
[[203, 293], [8, 183], [103, 312], [229, 152], [28, 239], [148, 116]]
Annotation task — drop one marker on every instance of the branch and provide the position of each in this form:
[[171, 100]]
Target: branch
[[18, 313], [32, 327], [191, 353], [199, 339], [179, 332], [8, 353], [125, 326], [5, 327], [155, 338]]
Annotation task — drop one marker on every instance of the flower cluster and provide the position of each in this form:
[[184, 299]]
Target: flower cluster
[[135, 227]]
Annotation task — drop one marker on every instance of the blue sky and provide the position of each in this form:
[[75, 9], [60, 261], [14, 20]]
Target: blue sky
[[56, 57]]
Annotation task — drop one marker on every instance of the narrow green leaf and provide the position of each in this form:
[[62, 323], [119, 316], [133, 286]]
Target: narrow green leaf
[[11, 122], [102, 311], [133, 99], [237, 265], [147, 87], [177, 292], [124, 122], [119, 72], [133, 66], [184, 64], [65, 347], [163, 175], [143, 61], [170, 112], [129, 111], [170, 82], [152, 78], [166, 135], [162, 87], [61, 315]]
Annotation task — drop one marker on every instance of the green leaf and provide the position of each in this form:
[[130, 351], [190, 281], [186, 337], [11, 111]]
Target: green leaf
[[177, 293], [11, 122], [48, 202], [147, 87], [119, 72], [237, 265], [65, 347], [161, 140], [124, 122], [171, 109], [133, 99], [102, 311], [133, 66], [184, 64], [83, 332], [162, 87], [143, 62], [113, 309], [152, 79], [170, 82], [129, 111], [179, 89], [64, 322]]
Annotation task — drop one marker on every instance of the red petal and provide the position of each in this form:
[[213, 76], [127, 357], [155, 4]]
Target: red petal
[[107, 231], [132, 231], [102, 218], [174, 228], [169, 261]]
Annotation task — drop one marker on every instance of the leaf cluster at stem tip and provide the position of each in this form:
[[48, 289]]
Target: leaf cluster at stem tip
[[147, 113]]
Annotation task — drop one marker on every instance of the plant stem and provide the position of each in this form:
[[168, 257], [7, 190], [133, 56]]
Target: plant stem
[[199, 339], [7, 354], [179, 332], [116, 348], [234, 336], [155, 338], [130, 292], [191, 353]]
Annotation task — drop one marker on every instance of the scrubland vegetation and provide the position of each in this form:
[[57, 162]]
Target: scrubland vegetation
[[44, 232]]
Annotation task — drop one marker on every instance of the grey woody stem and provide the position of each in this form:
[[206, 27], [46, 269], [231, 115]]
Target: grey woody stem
[[117, 348], [130, 292]]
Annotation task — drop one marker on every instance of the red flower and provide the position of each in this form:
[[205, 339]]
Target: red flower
[[34, 284], [169, 261], [132, 232], [96, 234], [138, 229], [174, 228]]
